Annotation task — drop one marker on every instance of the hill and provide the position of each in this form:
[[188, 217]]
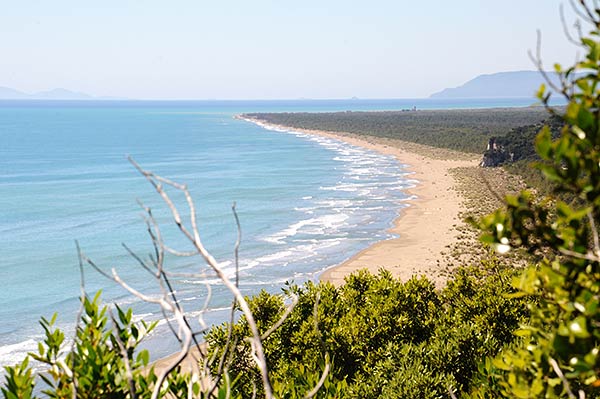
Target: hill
[[6, 93], [497, 85]]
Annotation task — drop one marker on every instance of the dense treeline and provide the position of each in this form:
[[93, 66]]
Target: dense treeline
[[463, 130]]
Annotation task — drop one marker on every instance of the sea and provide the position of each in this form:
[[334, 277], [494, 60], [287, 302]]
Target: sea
[[304, 204]]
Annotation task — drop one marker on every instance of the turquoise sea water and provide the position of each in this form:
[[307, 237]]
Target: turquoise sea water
[[305, 203]]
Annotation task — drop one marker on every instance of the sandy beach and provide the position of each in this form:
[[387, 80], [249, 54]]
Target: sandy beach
[[427, 227]]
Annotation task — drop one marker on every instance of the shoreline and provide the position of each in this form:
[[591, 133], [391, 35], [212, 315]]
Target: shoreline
[[426, 228]]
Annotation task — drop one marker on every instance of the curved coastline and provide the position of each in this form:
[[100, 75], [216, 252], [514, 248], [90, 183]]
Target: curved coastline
[[426, 228]]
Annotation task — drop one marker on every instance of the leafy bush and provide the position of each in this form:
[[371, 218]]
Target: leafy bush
[[384, 338], [558, 354], [100, 363]]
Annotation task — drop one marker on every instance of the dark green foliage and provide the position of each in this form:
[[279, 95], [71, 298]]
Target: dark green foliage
[[518, 144], [463, 130], [384, 338]]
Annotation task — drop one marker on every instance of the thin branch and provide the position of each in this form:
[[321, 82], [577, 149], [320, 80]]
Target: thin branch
[[227, 347], [594, 233], [236, 248], [161, 301], [180, 253], [588, 256], [124, 355], [82, 296], [154, 233], [560, 375], [566, 31], [316, 388], [138, 259], [181, 322], [170, 325], [587, 15], [589, 12], [321, 381], [537, 61], [161, 275], [91, 263], [185, 348], [283, 317]]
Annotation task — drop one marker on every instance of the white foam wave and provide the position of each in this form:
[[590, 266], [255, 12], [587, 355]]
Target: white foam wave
[[15, 353], [319, 225]]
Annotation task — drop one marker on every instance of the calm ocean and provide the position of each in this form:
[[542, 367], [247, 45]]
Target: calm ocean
[[305, 203]]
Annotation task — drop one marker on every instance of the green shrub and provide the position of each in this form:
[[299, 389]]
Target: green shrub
[[558, 355], [383, 337]]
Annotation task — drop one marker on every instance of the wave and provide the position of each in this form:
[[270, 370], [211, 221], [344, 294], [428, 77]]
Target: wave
[[14, 353], [318, 226]]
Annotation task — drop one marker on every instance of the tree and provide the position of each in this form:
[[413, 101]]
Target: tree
[[558, 353]]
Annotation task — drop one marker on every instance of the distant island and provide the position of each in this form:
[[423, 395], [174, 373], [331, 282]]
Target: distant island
[[7, 93], [497, 85]]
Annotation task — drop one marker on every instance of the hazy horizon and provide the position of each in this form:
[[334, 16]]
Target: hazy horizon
[[265, 50]]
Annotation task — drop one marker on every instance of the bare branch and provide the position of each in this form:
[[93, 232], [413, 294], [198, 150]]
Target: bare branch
[[321, 381], [180, 253], [185, 348], [537, 61], [589, 12], [228, 347], [566, 30], [589, 256], [161, 301], [283, 317], [596, 250], [237, 245], [82, 296], [587, 15], [138, 259], [194, 237], [124, 356], [560, 375], [91, 263]]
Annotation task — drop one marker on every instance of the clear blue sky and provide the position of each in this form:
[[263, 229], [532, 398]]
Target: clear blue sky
[[265, 49]]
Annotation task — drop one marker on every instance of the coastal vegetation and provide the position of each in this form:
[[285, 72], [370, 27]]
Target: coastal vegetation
[[495, 330], [466, 130]]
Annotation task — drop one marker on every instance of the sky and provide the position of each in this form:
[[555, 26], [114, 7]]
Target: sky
[[271, 49]]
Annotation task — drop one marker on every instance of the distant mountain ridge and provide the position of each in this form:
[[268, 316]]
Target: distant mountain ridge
[[6, 93], [498, 85]]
